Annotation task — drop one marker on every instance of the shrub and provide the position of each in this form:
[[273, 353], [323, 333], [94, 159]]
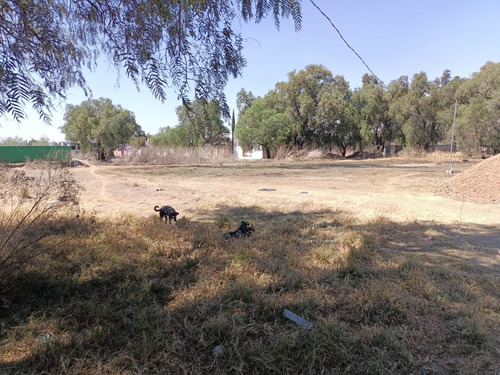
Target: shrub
[[33, 206]]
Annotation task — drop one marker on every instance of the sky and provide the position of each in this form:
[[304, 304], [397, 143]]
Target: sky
[[394, 37]]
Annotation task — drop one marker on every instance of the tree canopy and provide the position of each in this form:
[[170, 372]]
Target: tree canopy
[[372, 105], [479, 120], [263, 124], [190, 45], [199, 125], [322, 111], [99, 126]]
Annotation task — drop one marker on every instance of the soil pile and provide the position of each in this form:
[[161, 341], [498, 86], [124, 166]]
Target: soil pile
[[479, 184]]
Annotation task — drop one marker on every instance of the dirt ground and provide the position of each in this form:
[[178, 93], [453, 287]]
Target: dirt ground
[[479, 183], [395, 189]]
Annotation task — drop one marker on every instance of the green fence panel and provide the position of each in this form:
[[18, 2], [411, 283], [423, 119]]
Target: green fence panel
[[20, 154]]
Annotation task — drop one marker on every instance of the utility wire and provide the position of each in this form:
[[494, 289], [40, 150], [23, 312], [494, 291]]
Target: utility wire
[[347, 44]]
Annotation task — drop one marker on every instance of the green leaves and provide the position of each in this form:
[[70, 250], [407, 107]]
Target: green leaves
[[478, 123], [322, 111], [200, 124], [99, 126], [187, 44], [263, 124]]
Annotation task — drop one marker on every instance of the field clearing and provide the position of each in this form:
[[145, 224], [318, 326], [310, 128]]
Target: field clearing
[[393, 279], [395, 189]]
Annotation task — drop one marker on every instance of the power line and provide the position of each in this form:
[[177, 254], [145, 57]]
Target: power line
[[347, 44]]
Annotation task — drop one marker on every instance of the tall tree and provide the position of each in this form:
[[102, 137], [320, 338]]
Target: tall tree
[[398, 89], [99, 126], [301, 95], [233, 126], [372, 104], [478, 124], [337, 116], [417, 111], [190, 44], [201, 124], [264, 124], [244, 100]]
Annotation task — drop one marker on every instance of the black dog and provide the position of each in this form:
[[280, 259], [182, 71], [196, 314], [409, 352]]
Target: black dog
[[167, 212], [245, 229]]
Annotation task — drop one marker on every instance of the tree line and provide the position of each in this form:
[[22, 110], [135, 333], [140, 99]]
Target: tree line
[[18, 141], [314, 108], [191, 45]]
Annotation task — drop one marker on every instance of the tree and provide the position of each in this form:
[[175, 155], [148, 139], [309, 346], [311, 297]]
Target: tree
[[478, 123], [44, 141], [233, 126], [244, 100], [264, 124], [188, 44], [301, 95], [18, 141], [99, 126], [13, 141], [167, 136], [417, 112], [337, 116], [372, 104], [201, 124], [397, 91]]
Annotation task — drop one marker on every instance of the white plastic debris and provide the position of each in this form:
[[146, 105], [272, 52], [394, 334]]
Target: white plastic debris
[[218, 351], [297, 319], [47, 339]]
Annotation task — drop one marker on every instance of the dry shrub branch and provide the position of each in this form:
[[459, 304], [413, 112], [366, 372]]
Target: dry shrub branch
[[34, 205]]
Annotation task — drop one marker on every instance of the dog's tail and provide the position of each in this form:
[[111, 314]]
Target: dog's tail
[[157, 208]]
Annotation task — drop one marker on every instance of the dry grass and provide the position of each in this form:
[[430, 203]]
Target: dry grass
[[33, 208], [437, 156], [178, 155], [140, 296]]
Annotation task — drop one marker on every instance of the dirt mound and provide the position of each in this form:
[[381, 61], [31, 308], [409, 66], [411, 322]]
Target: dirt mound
[[480, 183]]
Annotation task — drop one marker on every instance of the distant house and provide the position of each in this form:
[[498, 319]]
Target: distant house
[[253, 154], [122, 150]]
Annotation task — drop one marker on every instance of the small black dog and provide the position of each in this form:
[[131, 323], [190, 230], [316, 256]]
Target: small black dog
[[245, 229], [167, 212]]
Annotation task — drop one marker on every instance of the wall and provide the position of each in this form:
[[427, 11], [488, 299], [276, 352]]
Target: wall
[[20, 154], [254, 154]]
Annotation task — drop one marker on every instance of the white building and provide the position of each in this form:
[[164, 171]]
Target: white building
[[255, 154]]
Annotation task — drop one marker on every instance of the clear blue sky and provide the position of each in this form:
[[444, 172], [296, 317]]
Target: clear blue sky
[[394, 37]]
